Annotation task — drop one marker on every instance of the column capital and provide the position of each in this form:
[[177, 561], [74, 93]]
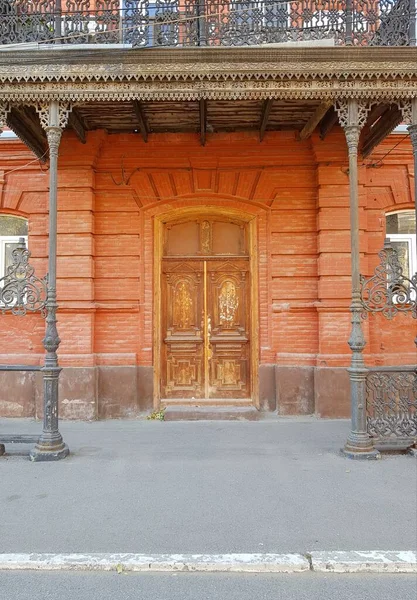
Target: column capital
[[53, 135], [352, 133]]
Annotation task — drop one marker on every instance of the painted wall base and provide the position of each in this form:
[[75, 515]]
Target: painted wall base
[[85, 393], [109, 392], [323, 391]]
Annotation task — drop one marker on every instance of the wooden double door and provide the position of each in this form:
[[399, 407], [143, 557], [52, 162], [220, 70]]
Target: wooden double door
[[205, 327]]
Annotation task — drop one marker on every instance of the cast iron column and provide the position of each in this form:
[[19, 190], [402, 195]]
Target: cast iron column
[[409, 112], [412, 129], [51, 445], [359, 444]]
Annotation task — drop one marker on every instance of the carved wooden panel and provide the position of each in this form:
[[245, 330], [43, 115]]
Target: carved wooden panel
[[205, 237], [182, 330], [228, 237], [228, 289], [182, 238]]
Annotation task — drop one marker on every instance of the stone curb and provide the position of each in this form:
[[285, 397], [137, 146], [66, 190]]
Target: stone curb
[[328, 562], [364, 562], [237, 563]]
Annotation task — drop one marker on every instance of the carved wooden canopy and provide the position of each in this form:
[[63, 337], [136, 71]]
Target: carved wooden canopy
[[205, 89]]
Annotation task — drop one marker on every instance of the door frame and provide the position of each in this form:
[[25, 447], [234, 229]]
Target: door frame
[[206, 211]]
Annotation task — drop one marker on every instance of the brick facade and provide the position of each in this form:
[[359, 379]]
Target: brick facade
[[109, 191]]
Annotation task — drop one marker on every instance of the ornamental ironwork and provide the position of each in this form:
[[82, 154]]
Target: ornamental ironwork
[[20, 290], [153, 23], [389, 291], [391, 405]]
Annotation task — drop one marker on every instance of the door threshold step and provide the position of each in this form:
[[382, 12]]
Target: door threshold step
[[211, 413], [208, 402]]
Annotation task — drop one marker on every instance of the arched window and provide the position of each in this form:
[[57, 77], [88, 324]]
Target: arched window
[[401, 231], [11, 229]]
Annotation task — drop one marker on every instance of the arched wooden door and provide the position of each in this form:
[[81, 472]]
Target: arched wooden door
[[205, 310]]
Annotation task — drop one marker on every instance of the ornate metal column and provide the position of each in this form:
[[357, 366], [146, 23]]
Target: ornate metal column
[[412, 130], [352, 117], [409, 112], [410, 116], [51, 445]]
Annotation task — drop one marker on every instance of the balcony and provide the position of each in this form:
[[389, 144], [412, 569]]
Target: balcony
[[191, 23]]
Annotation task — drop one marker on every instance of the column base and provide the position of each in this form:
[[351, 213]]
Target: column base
[[360, 455], [359, 446], [46, 454]]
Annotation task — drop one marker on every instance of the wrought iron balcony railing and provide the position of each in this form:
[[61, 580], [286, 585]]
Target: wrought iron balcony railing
[[185, 23]]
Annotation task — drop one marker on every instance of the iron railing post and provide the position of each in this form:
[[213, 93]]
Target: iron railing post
[[412, 24], [58, 22], [51, 445], [121, 23], [201, 23], [349, 23]]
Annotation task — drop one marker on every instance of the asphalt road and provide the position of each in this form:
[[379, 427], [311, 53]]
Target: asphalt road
[[194, 586], [205, 487]]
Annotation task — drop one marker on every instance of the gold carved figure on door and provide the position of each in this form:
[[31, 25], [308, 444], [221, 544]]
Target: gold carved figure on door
[[228, 304], [183, 307]]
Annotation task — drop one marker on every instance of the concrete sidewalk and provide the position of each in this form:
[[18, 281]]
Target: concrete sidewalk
[[205, 487]]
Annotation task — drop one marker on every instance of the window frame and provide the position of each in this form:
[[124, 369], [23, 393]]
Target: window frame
[[411, 240]]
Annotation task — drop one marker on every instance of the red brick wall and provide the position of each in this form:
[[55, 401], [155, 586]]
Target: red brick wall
[[111, 188]]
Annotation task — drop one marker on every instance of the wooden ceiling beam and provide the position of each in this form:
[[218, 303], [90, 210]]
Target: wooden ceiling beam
[[77, 124], [28, 128], [266, 111], [314, 120], [376, 111], [137, 107], [203, 121], [383, 127], [328, 122]]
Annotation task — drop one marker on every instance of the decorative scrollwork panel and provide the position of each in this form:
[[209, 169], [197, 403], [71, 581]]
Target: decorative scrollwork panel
[[23, 21], [83, 25], [389, 291], [20, 290], [391, 403]]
